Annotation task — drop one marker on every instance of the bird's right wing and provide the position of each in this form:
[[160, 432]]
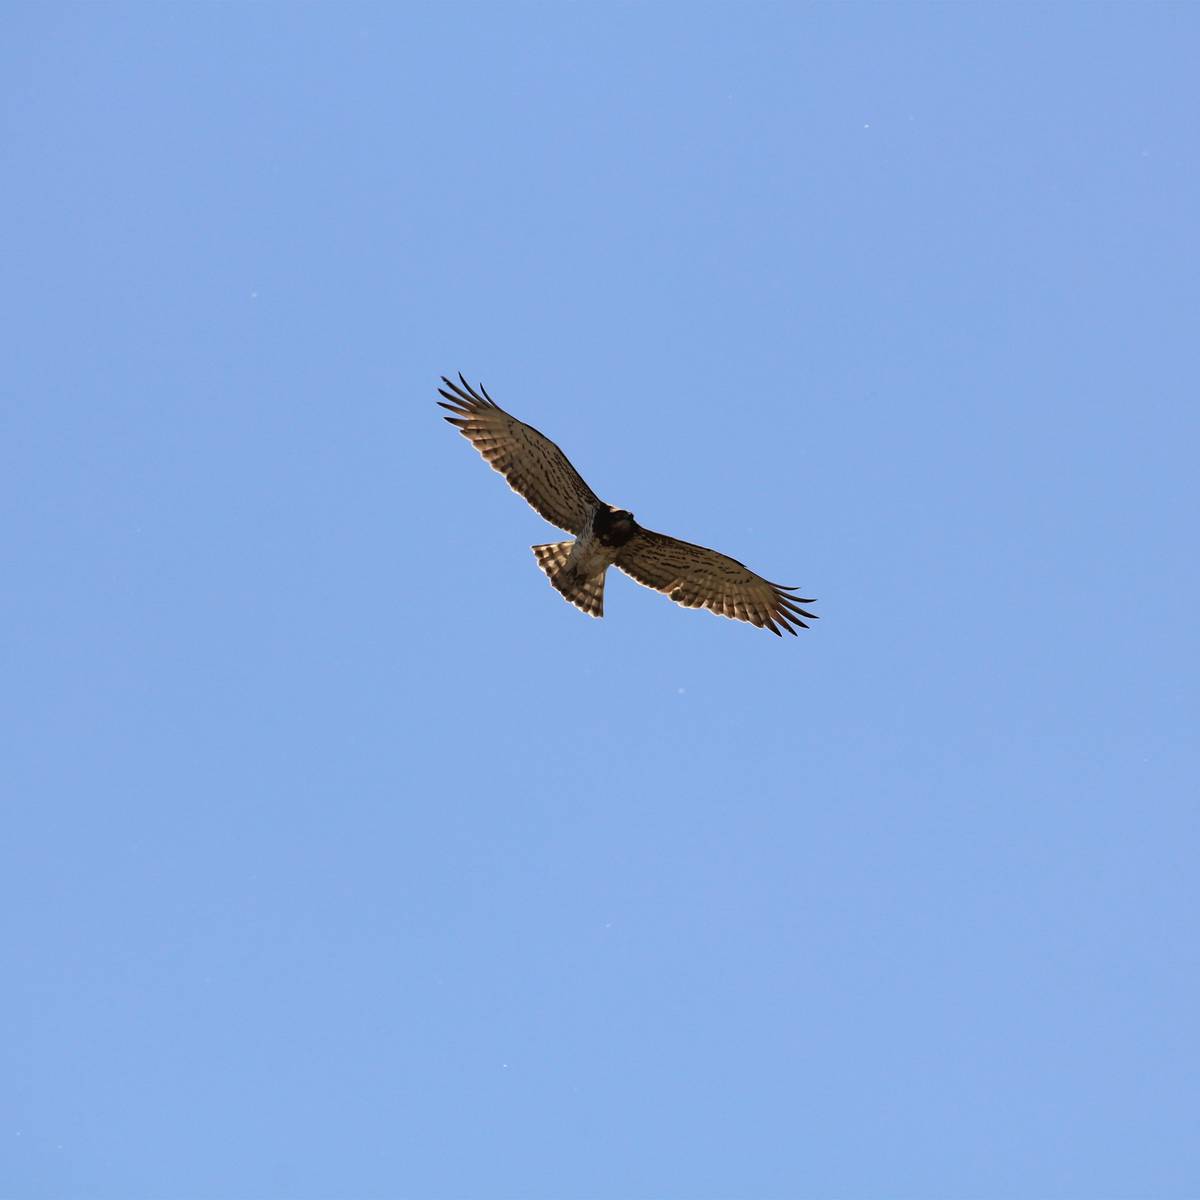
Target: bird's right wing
[[697, 577], [533, 465]]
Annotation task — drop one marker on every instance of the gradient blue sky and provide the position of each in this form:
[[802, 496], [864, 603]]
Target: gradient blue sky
[[341, 858]]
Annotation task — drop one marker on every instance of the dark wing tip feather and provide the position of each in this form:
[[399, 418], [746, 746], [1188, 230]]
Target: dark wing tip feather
[[787, 611], [464, 395], [791, 587], [794, 613], [790, 606], [484, 401], [784, 619], [467, 387]]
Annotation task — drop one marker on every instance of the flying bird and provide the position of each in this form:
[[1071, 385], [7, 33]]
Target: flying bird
[[606, 536]]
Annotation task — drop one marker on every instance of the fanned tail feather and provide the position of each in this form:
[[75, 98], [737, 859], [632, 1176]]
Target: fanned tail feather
[[585, 593]]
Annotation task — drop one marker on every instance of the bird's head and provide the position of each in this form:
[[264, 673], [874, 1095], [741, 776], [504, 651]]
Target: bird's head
[[614, 526]]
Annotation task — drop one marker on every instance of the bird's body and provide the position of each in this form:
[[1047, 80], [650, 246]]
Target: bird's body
[[691, 575], [576, 569]]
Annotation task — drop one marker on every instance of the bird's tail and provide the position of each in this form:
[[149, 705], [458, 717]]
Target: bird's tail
[[586, 592]]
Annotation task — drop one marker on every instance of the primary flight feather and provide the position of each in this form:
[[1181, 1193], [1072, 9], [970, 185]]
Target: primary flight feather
[[605, 536]]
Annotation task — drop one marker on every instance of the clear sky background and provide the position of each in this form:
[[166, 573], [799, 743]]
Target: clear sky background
[[342, 858]]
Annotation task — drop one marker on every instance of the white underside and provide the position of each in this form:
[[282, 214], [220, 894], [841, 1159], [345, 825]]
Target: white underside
[[588, 557]]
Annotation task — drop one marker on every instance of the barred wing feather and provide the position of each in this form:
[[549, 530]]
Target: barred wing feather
[[700, 578], [533, 465]]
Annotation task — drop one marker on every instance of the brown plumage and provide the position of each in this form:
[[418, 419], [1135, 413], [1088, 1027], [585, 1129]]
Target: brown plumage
[[690, 575]]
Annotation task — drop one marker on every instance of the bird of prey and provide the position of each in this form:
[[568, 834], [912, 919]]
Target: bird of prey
[[606, 536]]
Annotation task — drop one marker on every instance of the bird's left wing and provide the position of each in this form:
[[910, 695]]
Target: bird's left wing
[[700, 578], [530, 461]]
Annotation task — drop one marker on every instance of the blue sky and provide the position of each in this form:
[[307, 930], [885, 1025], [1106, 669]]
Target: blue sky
[[342, 858]]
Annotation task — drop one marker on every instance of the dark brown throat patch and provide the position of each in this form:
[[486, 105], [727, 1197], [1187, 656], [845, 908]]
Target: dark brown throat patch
[[613, 529]]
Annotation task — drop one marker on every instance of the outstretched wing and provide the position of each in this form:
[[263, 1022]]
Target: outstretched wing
[[530, 461], [699, 578]]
